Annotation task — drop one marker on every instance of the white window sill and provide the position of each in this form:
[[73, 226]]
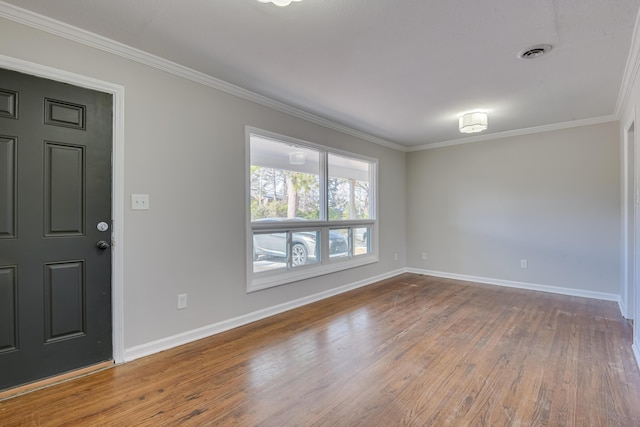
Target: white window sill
[[259, 282]]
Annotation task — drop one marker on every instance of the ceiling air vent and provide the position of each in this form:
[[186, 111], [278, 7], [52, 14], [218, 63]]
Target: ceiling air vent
[[534, 51]]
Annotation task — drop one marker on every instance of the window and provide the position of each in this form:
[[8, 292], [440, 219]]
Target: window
[[311, 210]]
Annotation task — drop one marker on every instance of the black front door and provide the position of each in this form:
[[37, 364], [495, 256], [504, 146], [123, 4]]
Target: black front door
[[55, 198]]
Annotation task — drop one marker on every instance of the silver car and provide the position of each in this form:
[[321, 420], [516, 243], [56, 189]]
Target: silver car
[[304, 245]]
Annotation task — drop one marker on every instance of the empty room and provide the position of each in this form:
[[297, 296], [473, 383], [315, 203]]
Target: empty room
[[319, 212]]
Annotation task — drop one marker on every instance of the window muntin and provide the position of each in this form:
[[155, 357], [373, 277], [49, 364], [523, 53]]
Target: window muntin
[[311, 210]]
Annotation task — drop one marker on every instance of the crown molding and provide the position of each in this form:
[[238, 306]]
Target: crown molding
[[630, 71], [87, 38], [518, 132]]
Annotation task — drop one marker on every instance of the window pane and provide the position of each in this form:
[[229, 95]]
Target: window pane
[[338, 243], [285, 180], [269, 251], [361, 241], [305, 248], [312, 211], [349, 189]]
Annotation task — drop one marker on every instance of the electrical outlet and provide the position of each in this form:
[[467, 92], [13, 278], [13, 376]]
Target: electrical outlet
[[182, 301], [424, 256], [524, 263], [139, 202], [395, 256]]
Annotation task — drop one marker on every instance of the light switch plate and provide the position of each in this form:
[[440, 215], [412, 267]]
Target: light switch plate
[[182, 301], [139, 202]]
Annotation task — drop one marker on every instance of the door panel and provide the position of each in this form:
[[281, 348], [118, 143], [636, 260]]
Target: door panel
[[60, 113], [64, 302], [63, 190], [8, 104], [8, 309], [7, 187], [55, 186]]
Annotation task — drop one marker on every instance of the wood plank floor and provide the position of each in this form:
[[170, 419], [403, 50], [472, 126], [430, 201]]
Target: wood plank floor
[[412, 350]]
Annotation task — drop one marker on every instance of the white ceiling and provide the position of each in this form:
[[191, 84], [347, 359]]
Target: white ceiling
[[400, 70]]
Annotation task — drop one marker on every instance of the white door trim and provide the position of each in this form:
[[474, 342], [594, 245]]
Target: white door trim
[[117, 275], [629, 219]]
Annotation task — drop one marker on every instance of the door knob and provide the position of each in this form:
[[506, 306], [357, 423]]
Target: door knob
[[102, 245]]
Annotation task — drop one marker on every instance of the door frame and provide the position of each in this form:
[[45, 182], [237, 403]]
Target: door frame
[[630, 196], [117, 180], [633, 123]]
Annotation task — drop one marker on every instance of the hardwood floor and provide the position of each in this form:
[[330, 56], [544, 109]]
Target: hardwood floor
[[412, 350]]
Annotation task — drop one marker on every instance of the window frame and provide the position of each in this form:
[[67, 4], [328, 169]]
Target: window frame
[[280, 276]]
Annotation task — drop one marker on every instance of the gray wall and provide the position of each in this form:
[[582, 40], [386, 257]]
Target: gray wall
[[185, 147], [475, 209], [551, 198]]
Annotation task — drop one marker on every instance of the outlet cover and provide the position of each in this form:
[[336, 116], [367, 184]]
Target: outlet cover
[[524, 263], [139, 202], [182, 301]]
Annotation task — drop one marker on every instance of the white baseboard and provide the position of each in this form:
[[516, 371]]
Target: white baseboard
[[521, 285], [623, 308], [206, 331], [225, 325], [535, 287]]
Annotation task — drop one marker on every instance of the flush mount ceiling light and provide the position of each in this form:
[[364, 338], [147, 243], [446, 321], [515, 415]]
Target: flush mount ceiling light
[[473, 122], [534, 51], [296, 158], [281, 3]]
